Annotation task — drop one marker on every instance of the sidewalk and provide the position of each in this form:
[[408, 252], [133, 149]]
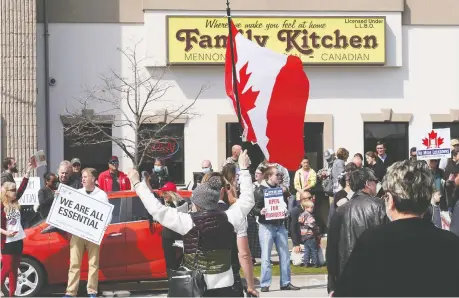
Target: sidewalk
[[311, 286]]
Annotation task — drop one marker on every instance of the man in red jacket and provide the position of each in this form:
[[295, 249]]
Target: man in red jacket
[[112, 179]]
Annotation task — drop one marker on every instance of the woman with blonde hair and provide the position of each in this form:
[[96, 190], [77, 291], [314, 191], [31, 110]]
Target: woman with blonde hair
[[12, 235]]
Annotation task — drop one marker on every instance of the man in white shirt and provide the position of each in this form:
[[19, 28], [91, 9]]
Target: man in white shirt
[[78, 245]]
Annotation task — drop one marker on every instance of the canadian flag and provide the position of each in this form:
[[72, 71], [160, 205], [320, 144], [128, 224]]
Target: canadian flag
[[273, 92]]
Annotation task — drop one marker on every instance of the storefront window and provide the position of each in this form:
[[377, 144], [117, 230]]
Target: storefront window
[[313, 144], [394, 135], [168, 145], [94, 150], [453, 126]]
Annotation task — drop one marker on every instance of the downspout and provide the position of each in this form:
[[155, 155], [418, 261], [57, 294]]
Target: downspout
[[47, 116]]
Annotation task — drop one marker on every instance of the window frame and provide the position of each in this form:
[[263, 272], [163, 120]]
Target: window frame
[[446, 125], [144, 166], [84, 165], [407, 129], [123, 210], [129, 211]]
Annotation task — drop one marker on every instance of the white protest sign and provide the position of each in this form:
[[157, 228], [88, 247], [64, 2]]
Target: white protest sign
[[38, 159], [30, 196], [274, 203], [435, 144], [79, 214]]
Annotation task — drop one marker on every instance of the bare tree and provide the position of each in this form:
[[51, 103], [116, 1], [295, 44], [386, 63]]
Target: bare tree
[[138, 99]]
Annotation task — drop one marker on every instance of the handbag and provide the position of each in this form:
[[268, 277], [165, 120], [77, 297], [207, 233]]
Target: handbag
[[187, 283]]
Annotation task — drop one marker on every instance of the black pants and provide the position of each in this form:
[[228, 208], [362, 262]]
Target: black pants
[[170, 254]]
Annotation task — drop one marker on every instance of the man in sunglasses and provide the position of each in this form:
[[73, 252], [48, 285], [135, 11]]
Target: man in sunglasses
[[350, 220], [113, 179]]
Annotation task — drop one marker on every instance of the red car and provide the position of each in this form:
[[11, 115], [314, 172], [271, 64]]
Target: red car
[[131, 249]]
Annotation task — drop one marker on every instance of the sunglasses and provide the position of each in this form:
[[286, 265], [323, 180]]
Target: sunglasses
[[114, 163]]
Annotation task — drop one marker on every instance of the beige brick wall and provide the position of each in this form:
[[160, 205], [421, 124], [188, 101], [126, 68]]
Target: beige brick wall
[[18, 79]]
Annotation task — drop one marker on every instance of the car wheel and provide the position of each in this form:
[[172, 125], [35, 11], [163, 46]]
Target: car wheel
[[31, 279]]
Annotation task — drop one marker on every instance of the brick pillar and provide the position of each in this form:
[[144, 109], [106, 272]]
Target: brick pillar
[[18, 79]]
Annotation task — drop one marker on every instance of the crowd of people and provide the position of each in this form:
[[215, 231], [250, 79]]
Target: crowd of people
[[366, 211]]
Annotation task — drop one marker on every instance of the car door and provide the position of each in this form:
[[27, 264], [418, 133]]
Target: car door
[[112, 265], [144, 253]]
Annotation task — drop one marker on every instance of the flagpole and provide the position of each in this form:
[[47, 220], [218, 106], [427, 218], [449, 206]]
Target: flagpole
[[233, 64]]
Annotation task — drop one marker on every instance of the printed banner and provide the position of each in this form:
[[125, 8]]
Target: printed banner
[[274, 203], [30, 196], [434, 145], [316, 40], [79, 214]]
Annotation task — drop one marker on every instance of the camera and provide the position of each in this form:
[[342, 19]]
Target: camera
[[52, 81]]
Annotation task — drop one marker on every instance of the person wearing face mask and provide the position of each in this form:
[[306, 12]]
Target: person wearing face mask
[[206, 167], [46, 194], [160, 175], [350, 220], [408, 256]]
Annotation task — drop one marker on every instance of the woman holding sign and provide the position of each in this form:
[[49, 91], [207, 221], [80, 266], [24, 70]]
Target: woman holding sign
[[271, 209], [12, 234]]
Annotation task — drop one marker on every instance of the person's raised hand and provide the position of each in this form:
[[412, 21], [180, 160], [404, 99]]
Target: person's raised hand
[[244, 160], [133, 176]]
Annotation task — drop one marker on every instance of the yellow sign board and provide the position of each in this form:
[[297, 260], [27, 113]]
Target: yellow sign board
[[316, 40]]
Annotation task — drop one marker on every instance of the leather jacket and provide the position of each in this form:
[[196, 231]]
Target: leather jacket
[[361, 213]]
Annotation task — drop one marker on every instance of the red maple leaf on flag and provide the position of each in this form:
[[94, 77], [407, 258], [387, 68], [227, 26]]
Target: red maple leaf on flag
[[247, 101]]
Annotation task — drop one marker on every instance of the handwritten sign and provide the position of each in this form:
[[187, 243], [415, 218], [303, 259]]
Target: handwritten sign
[[434, 145], [79, 214], [30, 196], [274, 203]]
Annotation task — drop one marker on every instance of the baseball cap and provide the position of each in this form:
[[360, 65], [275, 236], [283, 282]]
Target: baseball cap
[[114, 159], [328, 153], [75, 160], [413, 149], [169, 186], [454, 142]]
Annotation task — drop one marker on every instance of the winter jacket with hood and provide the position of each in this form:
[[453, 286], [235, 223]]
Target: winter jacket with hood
[[361, 213]]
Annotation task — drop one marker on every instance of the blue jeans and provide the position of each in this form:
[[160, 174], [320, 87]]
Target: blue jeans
[[311, 252], [277, 234]]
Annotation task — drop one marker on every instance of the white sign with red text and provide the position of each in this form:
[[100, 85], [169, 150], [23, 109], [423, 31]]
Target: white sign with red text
[[274, 203]]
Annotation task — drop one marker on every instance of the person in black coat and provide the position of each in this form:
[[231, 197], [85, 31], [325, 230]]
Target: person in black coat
[[350, 220], [409, 256], [46, 194]]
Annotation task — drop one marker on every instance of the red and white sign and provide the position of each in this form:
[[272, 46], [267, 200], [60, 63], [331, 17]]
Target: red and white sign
[[435, 145], [274, 203], [273, 91]]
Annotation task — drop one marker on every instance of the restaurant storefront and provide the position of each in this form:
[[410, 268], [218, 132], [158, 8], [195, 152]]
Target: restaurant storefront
[[374, 74]]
